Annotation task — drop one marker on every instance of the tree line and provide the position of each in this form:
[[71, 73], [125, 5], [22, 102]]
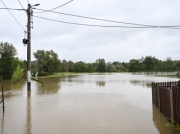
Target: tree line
[[47, 62]]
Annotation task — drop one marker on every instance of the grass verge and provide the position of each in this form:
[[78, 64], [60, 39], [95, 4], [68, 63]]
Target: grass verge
[[66, 74]]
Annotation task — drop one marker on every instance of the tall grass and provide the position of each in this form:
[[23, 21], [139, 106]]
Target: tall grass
[[17, 74]]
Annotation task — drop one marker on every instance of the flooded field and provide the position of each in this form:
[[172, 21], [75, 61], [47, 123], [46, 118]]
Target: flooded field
[[85, 104]]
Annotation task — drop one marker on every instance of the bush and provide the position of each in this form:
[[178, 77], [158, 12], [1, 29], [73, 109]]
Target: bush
[[17, 74], [1, 77], [43, 73]]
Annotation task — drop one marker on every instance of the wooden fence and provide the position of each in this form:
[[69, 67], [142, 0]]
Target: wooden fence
[[166, 97]]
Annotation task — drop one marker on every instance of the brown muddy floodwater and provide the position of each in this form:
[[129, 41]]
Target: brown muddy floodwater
[[85, 104]]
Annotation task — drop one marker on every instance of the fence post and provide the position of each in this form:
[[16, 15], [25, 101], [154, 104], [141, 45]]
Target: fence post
[[159, 104], [172, 105], [3, 99]]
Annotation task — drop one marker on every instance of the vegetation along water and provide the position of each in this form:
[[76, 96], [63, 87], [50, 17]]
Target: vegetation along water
[[48, 63], [75, 98]]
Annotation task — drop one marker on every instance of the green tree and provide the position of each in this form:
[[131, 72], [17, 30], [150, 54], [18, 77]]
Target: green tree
[[177, 65], [52, 63], [70, 65], [79, 67], [47, 61], [90, 68], [134, 65], [122, 68], [141, 66], [64, 66], [169, 64], [160, 66], [101, 65], [156, 64], [109, 67], [148, 63], [7, 52], [40, 59]]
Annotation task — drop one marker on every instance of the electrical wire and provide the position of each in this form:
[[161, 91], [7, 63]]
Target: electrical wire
[[106, 20], [21, 4], [56, 7], [12, 9], [61, 5], [82, 24], [13, 15]]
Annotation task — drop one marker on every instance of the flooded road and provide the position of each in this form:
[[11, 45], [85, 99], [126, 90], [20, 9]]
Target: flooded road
[[85, 104]]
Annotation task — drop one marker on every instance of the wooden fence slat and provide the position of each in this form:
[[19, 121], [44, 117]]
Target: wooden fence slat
[[166, 97]]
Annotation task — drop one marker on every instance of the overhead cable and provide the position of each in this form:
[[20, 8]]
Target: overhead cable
[[13, 15], [13, 9], [91, 25], [61, 5], [21, 4], [113, 21], [56, 7]]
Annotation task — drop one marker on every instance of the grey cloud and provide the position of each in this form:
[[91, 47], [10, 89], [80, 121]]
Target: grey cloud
[[90, 43]]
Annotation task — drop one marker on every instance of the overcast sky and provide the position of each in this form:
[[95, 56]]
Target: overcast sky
[[82, 43]]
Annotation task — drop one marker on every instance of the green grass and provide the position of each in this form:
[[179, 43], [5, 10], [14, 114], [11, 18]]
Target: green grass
[[65, 74], [172, 124]]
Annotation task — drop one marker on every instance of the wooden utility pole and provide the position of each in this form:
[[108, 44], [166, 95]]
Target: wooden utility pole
[[29, 13]]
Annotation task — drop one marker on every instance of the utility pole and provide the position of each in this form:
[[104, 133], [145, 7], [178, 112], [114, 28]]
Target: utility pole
[[29, 13]]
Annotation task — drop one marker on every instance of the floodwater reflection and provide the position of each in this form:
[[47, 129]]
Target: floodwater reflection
[[8, 85], [159, 122], [28, 114], [50, 86], [2, 124], [100, 83], [77, 105], [11, 89], [141, 83]]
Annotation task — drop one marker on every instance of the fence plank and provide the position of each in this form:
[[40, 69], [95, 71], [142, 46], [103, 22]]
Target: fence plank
[[166, 97]]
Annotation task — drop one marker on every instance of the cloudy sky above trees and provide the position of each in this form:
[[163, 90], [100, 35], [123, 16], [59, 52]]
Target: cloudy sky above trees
[[83, 43]]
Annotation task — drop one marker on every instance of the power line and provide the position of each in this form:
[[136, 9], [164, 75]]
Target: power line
[[61, 5], [106, 20], [21, 4], [56, 7], [91, 25], [13, 9], [28, 1], [13, 15]]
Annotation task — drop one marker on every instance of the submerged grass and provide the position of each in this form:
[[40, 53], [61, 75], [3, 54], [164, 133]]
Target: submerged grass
[[65, 74], [39, 81], [172, 124]]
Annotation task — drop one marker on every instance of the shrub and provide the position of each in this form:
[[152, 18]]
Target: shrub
[[43, 73], [17, 74]]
